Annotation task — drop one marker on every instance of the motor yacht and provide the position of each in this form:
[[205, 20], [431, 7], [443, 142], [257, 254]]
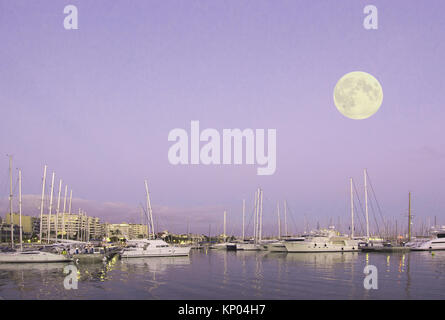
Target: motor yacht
[[152, 248], [279, 246], [325, 241], [436, 243]]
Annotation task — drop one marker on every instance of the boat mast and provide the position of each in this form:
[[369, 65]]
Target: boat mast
[[149, 210], [42, 203], [64, 210], [69, 210], [87, 231], [285, 218], [10, 201], [81, 225], [366, 206], [82, 231], [258, 216], [244, 214], [78, 225], [50, 207], [254, 217], [279, 220], [224, 234], [71, 199], [20, 209], [409, 217], [58, 208], [257, 209], [352, 209], [261, 216]]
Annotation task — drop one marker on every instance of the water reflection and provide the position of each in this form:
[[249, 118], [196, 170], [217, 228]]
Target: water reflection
[[323, 259], [21, 278], [235, 275], [155, 265]]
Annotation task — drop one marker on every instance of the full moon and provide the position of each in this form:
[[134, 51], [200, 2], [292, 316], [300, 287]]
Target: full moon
[[358, 95]]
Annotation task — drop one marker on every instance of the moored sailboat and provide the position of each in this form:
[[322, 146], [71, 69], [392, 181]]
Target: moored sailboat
[[152, 247], [32, 256], [255, 243], [224, 245]]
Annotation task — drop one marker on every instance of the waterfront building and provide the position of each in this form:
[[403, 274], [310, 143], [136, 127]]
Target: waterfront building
[[73, 226], [125, 230], [5, 233], [27, 222], [138, 231]]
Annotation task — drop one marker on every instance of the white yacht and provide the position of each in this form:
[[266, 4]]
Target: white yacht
[[437, 243], [152, 248], [279, 246], [416, 241], [326, 241], [249, 246], [224, 246], [32, 257], [276, 246]]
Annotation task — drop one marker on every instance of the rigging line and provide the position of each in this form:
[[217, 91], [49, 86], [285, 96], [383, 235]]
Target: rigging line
[[361, 207], [358, 198], [15, 199], [250, 221], [247, 227], [148, 220], [5, 185], [273, 210], [252, 213], [359, 221], [358, 216], [291, 216], [14, 191], [145, 220], [374, 216], [375, 198]]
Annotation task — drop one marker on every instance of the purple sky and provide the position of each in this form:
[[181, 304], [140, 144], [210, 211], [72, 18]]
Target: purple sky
[[97, 104]]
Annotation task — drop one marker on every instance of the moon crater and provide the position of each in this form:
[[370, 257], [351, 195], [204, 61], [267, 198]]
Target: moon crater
[[358, 95]]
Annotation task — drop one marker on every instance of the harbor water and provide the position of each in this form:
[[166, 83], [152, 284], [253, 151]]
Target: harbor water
[[214, 274]]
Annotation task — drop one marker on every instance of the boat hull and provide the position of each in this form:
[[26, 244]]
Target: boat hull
[[224, 246], [328, 247], [428, 247], [38, 257], [167, 252], [276, 247], [386, 249], [249, 247]]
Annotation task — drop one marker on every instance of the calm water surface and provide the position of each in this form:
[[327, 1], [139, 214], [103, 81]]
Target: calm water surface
[[235, 275]]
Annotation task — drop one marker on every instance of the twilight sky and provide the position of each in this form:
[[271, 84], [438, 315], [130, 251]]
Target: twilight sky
[[96, 105]]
